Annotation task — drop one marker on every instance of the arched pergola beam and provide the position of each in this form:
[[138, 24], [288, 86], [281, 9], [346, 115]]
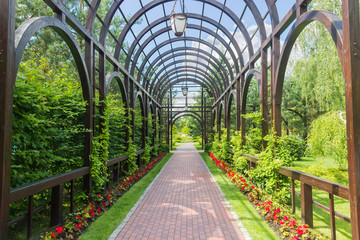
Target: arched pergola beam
[[27, 30], [213, 3], [216, 67], [189, 26], [189, 15], [274, 16], [180, 80], [179, 62], [192, 73], [258, 19], [91, 15], [151, 66], [332, 24], [185, 115], [214, 90], [186, 112], [253, 73], [182, 39], [116, 76], [163, 77]]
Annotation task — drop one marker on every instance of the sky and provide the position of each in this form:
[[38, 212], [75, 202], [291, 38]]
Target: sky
[[130, 7]]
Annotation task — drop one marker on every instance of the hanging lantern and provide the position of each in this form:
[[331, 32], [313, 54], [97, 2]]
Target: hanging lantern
[[178, 20], [178, 23], [184, 91]]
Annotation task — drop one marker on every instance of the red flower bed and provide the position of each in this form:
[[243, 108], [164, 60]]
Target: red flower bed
[[79, 221], [277, 216]]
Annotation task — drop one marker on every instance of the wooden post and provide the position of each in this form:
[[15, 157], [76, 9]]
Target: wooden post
[[30, 216], [264, 95], [306, 205], [351, 58], [56, 204], [293, 203], [332, 216], [7, 78]]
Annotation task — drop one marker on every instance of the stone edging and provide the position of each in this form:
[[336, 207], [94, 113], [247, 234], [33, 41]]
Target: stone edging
[[235, 216], [132, 210]]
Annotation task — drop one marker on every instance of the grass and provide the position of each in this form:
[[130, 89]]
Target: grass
[[197, 146], [175, 145], [110, 220], [248, 215], [325, 167]]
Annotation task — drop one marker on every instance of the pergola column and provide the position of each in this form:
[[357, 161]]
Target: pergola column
[[351, 53], [7, 78]]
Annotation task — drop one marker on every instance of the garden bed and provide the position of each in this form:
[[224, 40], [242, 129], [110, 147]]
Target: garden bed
[[276, 215], [77, 222]]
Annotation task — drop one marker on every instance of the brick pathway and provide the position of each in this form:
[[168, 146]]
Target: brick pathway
[[183, 203]]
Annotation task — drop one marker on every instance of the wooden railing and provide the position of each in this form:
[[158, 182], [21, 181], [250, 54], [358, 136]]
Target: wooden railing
[[307, 182], [56, 184]]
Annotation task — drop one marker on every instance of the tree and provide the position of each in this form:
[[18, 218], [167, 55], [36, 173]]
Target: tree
[[185, 130]]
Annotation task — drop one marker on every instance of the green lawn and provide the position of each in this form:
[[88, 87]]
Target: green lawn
[[110, 220], [248, 215], [197, 146], [325, 167]]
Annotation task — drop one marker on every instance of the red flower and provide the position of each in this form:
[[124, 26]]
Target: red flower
[[99, 195], [301, 229], [99, 210], [286, 217], [292, 223], [53, 234], [78, 216], [267, 208], [110, 191], [243, 180], [103, 203], [59, 229], [295, 238], [93, 214], [242, 188], [252, 187], [108, 197], [282, 222]]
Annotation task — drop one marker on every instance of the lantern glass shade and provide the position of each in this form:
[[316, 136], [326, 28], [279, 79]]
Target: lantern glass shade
[[184, 91], [178, 23]]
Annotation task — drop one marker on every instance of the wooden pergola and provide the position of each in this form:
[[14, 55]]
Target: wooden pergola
[[149, 76]]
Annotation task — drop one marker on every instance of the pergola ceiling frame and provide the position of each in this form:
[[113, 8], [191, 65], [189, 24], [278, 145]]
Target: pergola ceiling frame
[[189, 15], [181, 39], [157, 67], [189, 69]]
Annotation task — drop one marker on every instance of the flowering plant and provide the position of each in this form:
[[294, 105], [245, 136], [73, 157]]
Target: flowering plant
[[78, 221], [274, 213]]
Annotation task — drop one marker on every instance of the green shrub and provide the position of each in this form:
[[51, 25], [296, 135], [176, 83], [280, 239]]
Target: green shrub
[[253, 136], [239, 162], [293, 145], [224, 146], [163, 148], [327, 136], [266, 174], [208, 147]]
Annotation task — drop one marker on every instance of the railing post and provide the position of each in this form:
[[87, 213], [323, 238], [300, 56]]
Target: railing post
[[332, 216], [293, 196], [306, 205], [56, 204], [30, 216]]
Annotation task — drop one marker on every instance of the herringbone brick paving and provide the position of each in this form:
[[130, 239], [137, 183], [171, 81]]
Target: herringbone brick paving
[[183, 203]]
